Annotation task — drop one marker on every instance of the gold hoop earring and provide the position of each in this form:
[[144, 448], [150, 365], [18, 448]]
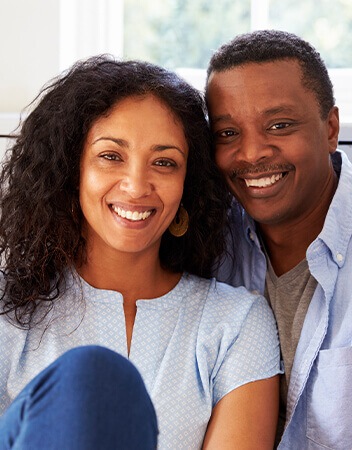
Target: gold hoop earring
[[179, 226]]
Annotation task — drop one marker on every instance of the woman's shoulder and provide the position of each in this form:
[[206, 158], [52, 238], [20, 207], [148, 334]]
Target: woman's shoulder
[[9, 327], [221, 301], [4, 320], [218, 291], [237, 338]]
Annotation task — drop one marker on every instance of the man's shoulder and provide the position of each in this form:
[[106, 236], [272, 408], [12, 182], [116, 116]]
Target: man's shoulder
[[337, 228], [242, 262]]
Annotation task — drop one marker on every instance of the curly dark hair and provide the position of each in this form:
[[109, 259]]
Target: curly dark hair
[[40, 224], [271, 45]]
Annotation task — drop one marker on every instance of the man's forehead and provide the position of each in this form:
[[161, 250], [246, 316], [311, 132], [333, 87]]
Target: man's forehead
[[256, 70]]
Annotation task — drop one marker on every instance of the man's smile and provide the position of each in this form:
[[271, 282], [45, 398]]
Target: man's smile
[[261, 176], [263, 182]]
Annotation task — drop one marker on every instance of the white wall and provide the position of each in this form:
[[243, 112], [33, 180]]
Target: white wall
[[40, 38], [29, 55], [29, 50]]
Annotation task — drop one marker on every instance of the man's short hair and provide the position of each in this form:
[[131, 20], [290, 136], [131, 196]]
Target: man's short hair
[[272, 45]]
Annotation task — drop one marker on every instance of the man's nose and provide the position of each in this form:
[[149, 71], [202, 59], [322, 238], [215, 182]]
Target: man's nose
[[254, 148]]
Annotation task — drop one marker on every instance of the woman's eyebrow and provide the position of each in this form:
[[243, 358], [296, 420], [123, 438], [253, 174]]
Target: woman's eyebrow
[[120, 142], [161, 148], [125, 144]]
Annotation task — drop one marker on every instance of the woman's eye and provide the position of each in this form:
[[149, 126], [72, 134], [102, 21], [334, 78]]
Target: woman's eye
[[111, 156], [165, 163]]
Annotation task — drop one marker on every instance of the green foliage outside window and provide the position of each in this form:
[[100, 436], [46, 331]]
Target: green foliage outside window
[[184, 33], [326, 24], [181, 33]]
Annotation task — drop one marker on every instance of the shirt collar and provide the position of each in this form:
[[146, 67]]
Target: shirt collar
[[337, 229]]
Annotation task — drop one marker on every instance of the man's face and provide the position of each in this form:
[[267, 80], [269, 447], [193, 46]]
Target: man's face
[[272, 145]]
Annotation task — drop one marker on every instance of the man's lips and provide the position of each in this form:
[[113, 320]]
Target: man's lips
[[263, 182], [261, 176]]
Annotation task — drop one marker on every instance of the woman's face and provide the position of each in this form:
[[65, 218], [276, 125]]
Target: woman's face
[[132, 173]]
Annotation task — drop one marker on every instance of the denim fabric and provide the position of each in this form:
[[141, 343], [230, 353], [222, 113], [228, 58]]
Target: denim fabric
[[319, 407], [90, 398]]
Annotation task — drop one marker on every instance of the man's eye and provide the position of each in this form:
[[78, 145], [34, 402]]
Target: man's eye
[[226, 133], [280, 126], [165, 163]]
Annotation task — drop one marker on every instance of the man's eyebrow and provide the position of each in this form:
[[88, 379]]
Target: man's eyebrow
[[220, 118], [267, 112], [277, 110]]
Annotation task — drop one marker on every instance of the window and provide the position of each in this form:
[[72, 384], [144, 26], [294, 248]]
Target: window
[[179, 34], [182, 34]]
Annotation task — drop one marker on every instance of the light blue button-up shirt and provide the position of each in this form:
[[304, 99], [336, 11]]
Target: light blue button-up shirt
[[319, 404]]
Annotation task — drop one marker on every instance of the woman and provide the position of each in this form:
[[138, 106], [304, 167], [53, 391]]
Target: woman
[[111, 216]]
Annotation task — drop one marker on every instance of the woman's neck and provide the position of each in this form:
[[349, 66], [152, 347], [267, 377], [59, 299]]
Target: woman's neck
[[135, 276]]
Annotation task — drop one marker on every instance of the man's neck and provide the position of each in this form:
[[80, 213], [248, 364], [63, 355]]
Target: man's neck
[[287, 247], [286, 244]]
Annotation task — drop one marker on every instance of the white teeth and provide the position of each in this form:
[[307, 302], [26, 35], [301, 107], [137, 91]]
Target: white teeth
[[131, 215], [263, 182]]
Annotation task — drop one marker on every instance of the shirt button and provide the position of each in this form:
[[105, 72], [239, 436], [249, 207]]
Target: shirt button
[[251, 236], [339, 257]]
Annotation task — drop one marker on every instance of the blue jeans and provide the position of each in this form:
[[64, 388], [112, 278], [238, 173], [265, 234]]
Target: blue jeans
[[90, 398]]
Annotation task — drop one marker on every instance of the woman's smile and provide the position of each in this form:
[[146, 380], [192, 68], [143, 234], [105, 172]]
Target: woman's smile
[[131, 214]]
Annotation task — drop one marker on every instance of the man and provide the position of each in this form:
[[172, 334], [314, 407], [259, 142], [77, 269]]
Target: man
[[275, 126]]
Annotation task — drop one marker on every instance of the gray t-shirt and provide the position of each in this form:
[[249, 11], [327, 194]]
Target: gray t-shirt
[[289, 296]]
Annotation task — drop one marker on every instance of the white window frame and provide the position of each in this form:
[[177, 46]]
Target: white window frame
[[89, 27]]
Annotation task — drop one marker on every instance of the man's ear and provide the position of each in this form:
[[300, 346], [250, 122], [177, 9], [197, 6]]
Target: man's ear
[[333, 123]]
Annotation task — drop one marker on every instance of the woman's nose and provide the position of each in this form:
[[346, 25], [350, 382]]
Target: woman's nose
[[136, 184]]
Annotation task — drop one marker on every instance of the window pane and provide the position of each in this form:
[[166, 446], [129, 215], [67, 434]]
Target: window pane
[[181, 33], [326, 24]]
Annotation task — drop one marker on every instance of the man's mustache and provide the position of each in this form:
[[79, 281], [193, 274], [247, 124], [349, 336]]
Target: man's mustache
[[261, 168]]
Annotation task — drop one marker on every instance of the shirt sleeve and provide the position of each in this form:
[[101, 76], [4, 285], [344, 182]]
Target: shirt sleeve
[[240, 340]]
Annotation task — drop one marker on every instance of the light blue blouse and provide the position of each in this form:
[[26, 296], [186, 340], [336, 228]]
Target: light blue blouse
[[192, 346]]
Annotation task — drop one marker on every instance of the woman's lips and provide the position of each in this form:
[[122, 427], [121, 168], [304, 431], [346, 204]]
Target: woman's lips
[[132, 215]]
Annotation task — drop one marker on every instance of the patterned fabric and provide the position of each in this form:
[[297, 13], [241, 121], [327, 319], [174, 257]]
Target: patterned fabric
[[192, 346]]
